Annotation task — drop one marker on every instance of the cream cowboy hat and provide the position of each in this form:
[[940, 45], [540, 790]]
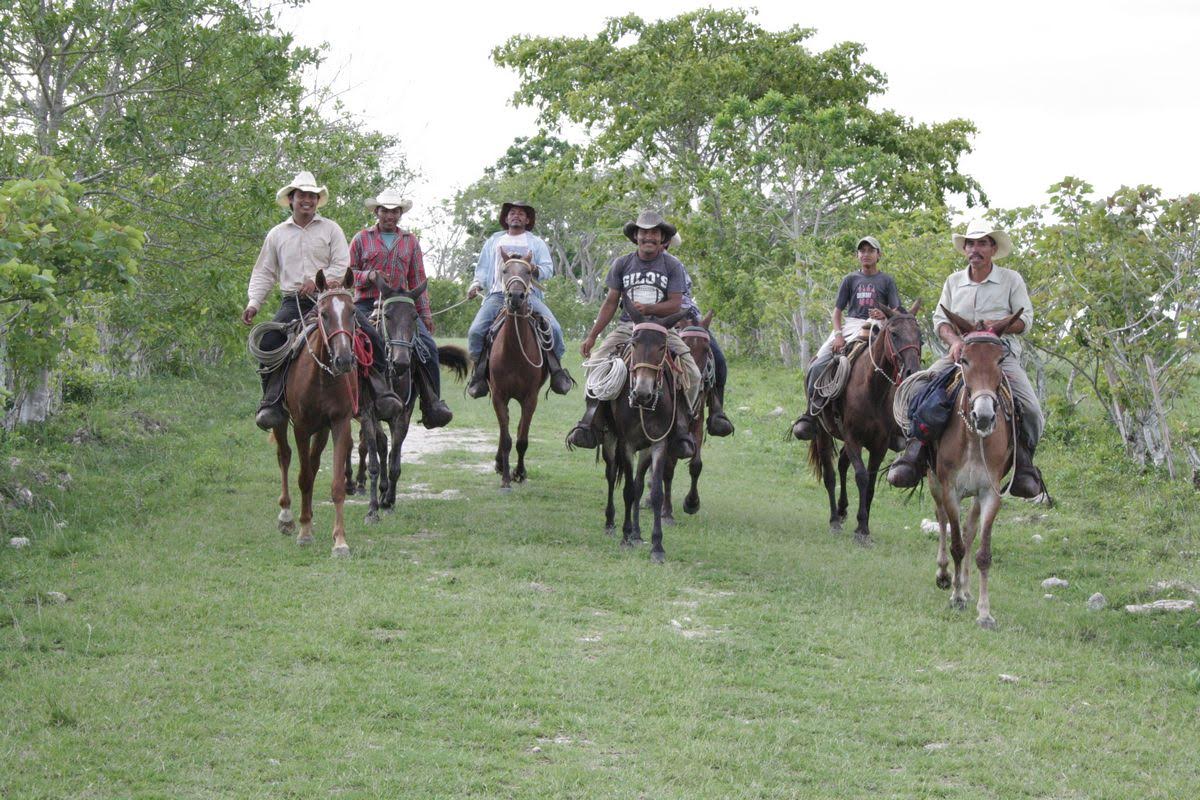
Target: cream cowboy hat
[[304, 182], [389, 198], [978, 229], [676, 240], [648, 220]]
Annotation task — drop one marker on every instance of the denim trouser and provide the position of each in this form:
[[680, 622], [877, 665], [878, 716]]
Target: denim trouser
[[490, 309], [367, 306]]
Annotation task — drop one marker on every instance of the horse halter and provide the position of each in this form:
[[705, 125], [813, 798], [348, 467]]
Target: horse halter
[[657, 368], [890, 352], [968, 396], [389, 340], [525, 281], [325, 335]]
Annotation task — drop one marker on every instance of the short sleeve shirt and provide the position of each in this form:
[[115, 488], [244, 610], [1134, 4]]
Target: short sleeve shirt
[[860, 293], [647, 282], [514, 246]]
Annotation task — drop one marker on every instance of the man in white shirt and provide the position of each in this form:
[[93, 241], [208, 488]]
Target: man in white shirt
[[291, 254], [517, 219]]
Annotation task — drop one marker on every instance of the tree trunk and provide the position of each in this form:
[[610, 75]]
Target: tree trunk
[[32, 402]]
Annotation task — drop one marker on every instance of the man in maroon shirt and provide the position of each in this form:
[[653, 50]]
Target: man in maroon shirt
[[386, 251]]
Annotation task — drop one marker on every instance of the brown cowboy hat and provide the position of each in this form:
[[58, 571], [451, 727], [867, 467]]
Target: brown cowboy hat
[[509, 206], [648, 220]]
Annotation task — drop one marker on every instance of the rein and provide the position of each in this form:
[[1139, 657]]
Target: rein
[[527, 284], [658, 382], [890, 353], [968, 400], [325, 336]]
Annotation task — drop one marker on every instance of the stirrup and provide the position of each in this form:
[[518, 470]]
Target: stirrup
[[582, 436]]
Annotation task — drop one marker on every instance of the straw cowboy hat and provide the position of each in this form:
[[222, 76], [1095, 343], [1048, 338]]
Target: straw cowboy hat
[[304, 182], [648, 220], [978, 229], [389, 198], [530, 211]]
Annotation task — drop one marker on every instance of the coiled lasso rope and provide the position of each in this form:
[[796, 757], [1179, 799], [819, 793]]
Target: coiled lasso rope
[[605, 377], [270, 359]]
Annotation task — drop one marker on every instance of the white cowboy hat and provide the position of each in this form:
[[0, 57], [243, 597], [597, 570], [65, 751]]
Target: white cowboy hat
[[304, 182], [389, 198], [978, 229], [675, 242]]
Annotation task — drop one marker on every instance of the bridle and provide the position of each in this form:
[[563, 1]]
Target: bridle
[[890, 353], [326, 336], [969, 397], [700, 332], [658, 370], [527, 283]]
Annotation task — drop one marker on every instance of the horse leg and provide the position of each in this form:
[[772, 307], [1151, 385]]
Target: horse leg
[[308, 474], [639, 485], [630, 494], [505, 447], [843, 504], [528, 406], [824, 448], [852, 452], [341, 452], [366, 438], [952, 506], [399, 428], [943, 558], [659, 459], [668, 512], [283, 454], [365, 433], [691, 503], [983, 559]]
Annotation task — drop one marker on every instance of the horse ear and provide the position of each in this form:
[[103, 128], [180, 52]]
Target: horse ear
[[704, 323], [960, 323], [670, 321], [631, 310], [415, 293], [1003, 326], [322, 285], [888, 311], [348, 278], [505, 255], [915, 308]]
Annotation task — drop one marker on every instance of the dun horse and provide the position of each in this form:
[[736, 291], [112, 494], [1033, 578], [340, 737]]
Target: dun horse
[[517, 367], [697, 339], [321, 396], [862, 416], [643, 418], [398, 328], [972, 457]]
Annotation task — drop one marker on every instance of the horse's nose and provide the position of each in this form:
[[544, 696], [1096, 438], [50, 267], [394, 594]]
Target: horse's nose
[[983, 422], [342, 362]]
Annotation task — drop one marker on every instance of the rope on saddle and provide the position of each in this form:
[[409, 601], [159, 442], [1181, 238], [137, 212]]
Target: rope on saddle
[[364, 354], [831, 383], [270, 359], [605, 377]]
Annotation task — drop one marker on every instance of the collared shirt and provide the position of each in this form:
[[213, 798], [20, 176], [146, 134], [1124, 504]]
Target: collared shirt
[[291, 254], [1001, 294], [486, 277], [400, 265]]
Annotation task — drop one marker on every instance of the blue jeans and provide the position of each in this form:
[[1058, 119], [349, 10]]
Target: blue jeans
[[490, 309], [433, 371]]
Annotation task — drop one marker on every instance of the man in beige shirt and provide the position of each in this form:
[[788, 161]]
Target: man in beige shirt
[[291, 254], [984, 292]]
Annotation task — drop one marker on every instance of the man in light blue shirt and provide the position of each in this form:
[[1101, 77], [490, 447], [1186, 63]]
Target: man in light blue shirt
[[517, 219]]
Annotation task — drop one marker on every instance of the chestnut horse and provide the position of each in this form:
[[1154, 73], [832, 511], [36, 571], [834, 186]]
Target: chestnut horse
[[321, 396], [642, 417], [862, 416], [398, 329], [517, 367], [697, 338], [972, 456]]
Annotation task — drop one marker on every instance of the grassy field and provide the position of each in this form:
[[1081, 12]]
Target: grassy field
[[491, 644]]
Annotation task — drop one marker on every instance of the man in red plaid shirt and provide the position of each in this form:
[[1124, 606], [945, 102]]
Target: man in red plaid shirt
[[384, 250]]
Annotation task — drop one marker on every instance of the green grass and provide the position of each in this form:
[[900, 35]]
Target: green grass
[[500, 645]]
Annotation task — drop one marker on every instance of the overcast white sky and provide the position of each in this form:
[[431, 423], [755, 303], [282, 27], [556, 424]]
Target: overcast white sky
[[1104, 90]]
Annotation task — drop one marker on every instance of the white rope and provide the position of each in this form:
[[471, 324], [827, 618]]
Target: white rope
[[605, 377]]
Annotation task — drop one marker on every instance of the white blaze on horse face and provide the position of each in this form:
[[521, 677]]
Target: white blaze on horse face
[[983, 414]]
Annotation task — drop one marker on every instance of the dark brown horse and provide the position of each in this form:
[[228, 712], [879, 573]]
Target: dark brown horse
[[321, 396], [972, 457], [642, 417], [697, 338], [517, 367], [861, 416], [398, 329]]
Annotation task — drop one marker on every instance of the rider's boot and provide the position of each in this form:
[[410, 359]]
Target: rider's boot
[[387, 403], [585, 433], [683, 445], [560, 380], [907, 470], [1027, 479], [271, 413], [478, 387], [434, 411], [805, 427], [718, 423]]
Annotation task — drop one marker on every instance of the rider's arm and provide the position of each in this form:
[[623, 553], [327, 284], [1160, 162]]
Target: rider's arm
[[607, 309], [665, 308], [541, 259]]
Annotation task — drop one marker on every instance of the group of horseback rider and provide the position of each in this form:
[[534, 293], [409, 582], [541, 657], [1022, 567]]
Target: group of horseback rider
[[295, 249], [983, 294]]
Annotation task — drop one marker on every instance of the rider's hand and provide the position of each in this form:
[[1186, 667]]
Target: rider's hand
[[641, 307], [308, 287], [248, 315], [473, 291], [956, 350], [875, 313], [372, 276], [429, 325], [585, 347], [839, 342]]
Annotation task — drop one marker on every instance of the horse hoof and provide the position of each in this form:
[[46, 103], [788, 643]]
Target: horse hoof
[[341, 551], [388, 509], [610, 530], [835, 526], [863, 539], [943, 581], [987, 623], [519, 477], [667, 520], [372, 518], [658, 557], [958, 603], [691, 506], [287, 528], [304, 540], [626, 543], [506, 488]]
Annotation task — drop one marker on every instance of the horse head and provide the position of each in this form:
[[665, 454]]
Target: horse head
[[399, 324], [336, 320], [518, 281], [982, 352], [648, 356], [902, 339], [697, 338]]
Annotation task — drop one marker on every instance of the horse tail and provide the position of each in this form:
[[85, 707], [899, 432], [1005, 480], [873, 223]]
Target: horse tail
[[817, 449], [454, 357]]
